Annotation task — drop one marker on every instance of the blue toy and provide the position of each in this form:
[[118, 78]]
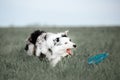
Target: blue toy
[[97, 58]]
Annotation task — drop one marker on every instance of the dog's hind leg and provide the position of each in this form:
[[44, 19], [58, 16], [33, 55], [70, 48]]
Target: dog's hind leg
[[30, 49]]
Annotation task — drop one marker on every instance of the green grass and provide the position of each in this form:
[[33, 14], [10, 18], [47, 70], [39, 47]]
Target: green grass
[[15, 64]]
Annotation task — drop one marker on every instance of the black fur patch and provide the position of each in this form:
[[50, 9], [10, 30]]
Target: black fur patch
[[42, 56], [50, 51], [34, 52], [57, 39], [26, 47], [57, 42], [64, 35], [45, 37], [34, 36]]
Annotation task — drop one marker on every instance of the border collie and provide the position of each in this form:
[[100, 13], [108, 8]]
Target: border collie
[[53, 46]]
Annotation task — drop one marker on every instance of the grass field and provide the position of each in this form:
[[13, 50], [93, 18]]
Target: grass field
[[15, 64]]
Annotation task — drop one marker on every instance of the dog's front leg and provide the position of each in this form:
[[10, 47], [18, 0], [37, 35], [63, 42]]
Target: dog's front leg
[[54, 61]]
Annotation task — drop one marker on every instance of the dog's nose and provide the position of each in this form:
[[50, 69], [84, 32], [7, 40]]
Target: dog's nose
[[74, 46]]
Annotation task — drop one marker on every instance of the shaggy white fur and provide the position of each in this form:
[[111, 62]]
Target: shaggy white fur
[[54, 46]]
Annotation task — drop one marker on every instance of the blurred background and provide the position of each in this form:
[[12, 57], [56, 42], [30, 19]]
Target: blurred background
[[94, 25], [60, 12]]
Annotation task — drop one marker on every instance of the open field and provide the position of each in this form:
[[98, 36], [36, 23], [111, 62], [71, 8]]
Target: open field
[[15, 64]]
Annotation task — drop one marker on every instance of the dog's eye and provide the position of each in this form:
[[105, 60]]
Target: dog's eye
[[65, 42], [70, 39]]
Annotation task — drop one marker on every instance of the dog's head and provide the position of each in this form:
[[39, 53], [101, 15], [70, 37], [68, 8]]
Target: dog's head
[[64, 43]]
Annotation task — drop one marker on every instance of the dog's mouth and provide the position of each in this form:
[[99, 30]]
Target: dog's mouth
[[69, 51]]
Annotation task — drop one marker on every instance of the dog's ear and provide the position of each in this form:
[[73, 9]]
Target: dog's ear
[[66, 32]]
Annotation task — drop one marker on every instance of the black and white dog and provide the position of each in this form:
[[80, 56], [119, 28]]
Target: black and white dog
[[53, 46]]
